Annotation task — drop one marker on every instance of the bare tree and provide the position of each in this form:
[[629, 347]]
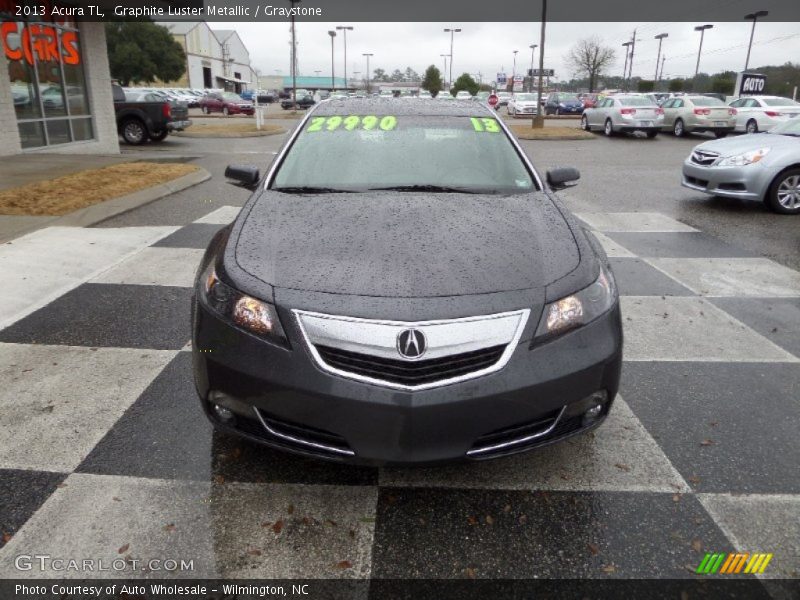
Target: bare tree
[[589, 57]]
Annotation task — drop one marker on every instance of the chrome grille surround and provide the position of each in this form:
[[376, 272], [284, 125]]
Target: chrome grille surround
[[445, 338], [704, 157]]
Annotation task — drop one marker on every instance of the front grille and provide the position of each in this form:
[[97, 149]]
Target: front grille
[[703, 157], [698, 182], [410, 372]]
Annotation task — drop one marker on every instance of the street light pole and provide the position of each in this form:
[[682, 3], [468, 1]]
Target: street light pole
[[754, 16], [513, 70], [333, 80], [538, 119], [344, 29], [367, 54], [660, 37], [530, 80], [444, 73], [452, 32], [702, 30], [625, 68], [294, 59]]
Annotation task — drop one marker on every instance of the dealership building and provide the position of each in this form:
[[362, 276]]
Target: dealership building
[[55, 86]]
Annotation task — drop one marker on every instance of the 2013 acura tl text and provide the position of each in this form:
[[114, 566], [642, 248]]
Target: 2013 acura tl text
[[403, 288]]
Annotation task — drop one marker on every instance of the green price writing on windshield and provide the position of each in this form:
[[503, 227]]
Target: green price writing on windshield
[[353, 122], [485, 124]]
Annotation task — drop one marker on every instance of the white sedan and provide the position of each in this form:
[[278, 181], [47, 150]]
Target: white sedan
[[762, 113], [523, 104]]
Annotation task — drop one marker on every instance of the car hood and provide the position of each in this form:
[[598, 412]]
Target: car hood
[[745, 143], [394, 244]]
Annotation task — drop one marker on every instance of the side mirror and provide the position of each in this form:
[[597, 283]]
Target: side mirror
[[560, 177], [244, 176]]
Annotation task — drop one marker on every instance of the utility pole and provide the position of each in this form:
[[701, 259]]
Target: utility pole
[[294, 58], [344, 29], [663, 60], [625, 68], [444, 73], [633, 48], [367, 55]]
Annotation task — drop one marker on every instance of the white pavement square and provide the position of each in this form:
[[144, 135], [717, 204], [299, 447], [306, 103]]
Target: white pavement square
[[156, 266], [612, 248], [231, 530], [39, 267], [761, 523], [751, 277], [618, 456], [675, 328], [222, 216], [633, 222], [57, 402]]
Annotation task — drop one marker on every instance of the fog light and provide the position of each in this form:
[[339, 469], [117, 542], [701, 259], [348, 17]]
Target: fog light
[[223, 414], [592, 414]]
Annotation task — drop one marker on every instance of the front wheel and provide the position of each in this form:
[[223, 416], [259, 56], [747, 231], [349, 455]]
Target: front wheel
[[585, 123], [225, 111], [134, 132], [204, 109], [752, 126], [678, 129], [608, 128], [558, 112], [784, 194]]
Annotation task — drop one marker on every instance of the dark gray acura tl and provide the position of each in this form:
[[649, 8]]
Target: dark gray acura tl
[[402, 287]]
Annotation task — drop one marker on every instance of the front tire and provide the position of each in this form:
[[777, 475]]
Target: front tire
[[608, 128], [585, 123], [225, 111], [783, 196], [204, 109], [678, 128], [134, 132], [751, 127]]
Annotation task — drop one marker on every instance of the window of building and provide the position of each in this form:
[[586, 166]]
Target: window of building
[[48, 83]]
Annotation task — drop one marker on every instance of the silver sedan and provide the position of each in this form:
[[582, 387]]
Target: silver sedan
[[762, 166]]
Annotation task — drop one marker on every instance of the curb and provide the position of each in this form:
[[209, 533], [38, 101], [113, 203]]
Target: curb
[[91, 215], [229, 135]]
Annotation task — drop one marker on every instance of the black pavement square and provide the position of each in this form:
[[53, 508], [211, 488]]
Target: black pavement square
[[195, 235], [777, 319], [165, 435], [438, 533], [21, 495], [105, 315], [636, 278], [677, 245], [726, 427]]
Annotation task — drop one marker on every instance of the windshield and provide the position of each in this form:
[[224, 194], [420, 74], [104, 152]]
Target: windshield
[[232, 97], [636, 101], [790, 127], [358, 153], [707, 101], [526, 97], [779, 102], [564, 99]]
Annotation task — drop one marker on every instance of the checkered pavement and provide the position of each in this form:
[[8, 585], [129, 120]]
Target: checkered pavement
[[104, 451]]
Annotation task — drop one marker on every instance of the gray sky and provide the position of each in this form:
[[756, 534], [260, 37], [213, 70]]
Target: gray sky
[[488, 47]]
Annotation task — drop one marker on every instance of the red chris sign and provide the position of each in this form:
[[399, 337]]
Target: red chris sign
[[40, 41]]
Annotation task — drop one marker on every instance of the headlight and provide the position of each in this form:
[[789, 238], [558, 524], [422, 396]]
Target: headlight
[[748, 158], [579, 308], [246, 312]]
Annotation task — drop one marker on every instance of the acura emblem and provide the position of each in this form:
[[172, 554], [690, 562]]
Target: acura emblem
[[411, 343]]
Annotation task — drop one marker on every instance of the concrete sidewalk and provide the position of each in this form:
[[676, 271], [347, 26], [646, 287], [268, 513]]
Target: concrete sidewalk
[[16, 171]]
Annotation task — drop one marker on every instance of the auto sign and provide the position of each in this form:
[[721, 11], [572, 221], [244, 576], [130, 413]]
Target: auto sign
[[750, 83]]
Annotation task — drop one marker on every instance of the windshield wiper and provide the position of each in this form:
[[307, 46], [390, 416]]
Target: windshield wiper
[[310, 190], [424, 188]]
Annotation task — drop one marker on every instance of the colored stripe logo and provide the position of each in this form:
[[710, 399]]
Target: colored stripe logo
[[734, 562]]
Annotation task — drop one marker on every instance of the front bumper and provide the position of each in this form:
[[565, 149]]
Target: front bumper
[[749, 182], [379, 425]]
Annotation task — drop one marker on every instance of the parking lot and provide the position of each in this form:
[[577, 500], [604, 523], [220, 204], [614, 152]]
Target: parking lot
[[104, 450]]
